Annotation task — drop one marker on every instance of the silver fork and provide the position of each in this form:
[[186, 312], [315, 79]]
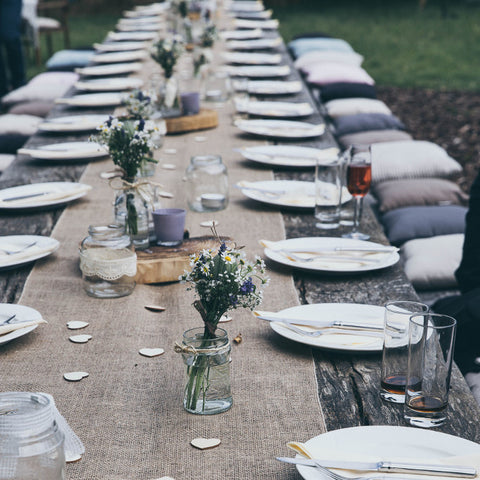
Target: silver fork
[[13, 252], [308, 333], [312, 258]]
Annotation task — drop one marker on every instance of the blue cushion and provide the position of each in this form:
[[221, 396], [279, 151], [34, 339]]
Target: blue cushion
[[301, 46], [68, 60], [363, 122], [408, 223], [11, 142], [346, 90]]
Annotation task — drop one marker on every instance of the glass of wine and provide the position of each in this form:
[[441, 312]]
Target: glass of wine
[[359, 179]]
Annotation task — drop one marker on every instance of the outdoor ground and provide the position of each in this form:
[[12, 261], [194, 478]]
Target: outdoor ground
[[448, 118]]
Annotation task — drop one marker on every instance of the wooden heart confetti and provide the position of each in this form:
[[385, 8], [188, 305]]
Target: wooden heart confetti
[[165, 194], [225, 319], [75, 376], [209, 224], [170, 151], [151, 352], [155, 308], [72, 457], [205, 443], [76, 325], [80, 338]]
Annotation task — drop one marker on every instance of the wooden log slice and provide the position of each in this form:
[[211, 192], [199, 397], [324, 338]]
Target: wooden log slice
[[206, 118], [165, 264]]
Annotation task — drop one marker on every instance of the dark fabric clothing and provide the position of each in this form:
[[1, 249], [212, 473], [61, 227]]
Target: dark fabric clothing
[[465, 308], [468, 273], [12, 68]]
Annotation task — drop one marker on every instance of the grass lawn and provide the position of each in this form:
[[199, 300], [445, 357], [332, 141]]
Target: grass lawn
[[402, 45]]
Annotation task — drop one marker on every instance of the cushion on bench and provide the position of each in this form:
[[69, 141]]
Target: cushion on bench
[[326, 73], [373, 136], [301, 46], [352, 106], [68, 60], [347, 90], [430, 263], [408, 223], [394, 194], [363, 122], [327, 56]]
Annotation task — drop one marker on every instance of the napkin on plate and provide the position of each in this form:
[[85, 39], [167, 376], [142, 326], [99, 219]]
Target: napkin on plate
[[32, 251], [11, 327], [47, 197]]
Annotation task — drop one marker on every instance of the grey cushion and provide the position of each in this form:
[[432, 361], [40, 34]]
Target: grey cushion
[[363, 122], [37, 108], [408, 223], [417, 192], [373, 136]]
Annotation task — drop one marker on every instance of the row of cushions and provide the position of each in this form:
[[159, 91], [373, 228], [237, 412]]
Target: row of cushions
[[301, 46], [15, 130]]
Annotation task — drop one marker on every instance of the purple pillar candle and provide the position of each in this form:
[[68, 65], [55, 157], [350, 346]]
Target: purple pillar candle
[[190, 103], [169, 224]]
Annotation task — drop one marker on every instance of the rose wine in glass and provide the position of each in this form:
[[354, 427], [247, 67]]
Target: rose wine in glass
[[359, 179]]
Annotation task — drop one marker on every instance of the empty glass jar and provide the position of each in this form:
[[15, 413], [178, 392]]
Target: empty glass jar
[[108, 262], [31, 444], [207, 179]]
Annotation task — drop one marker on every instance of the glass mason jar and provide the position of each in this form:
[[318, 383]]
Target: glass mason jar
[[207, 183], [207, 368], [131, 211], [108, 262], [31, 444]]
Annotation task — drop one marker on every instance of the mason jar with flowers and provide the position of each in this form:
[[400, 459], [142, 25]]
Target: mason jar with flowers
[[129, 144], [166, 53], [223, 280]]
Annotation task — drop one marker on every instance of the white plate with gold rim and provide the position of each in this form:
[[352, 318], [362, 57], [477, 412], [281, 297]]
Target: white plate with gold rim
[[348, 312]]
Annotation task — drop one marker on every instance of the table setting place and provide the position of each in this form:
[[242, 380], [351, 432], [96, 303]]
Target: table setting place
[[156, 249]]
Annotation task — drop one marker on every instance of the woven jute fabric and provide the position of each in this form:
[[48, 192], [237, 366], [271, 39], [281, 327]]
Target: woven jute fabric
[[128, 411]]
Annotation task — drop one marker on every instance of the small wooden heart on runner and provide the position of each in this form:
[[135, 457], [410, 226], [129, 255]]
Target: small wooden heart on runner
[[75, 376], [205, 443], [151, 352]]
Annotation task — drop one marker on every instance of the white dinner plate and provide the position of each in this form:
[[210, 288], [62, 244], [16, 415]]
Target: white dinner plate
[[288, 155], [74, 123], [256, 44], [274, 87], [144, 27], [114, 69], [384, 442], [351, 341], [131, 36], [252, 58], [92, 100], [281, 128], [22, 313], [258, 71], [119, 57], [263, 24], [38, 195], [263, 15], [245, 6], [241, 34], [109, 84], [337, 264], [120, 46], [42, 247], [58, 152], [285, 193], [279, 109], [282, 193]]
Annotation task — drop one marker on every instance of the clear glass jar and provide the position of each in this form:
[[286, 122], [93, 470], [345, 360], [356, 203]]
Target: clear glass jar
[[207, 183], [108, 262], [31, 444], [207, 371], [131, 211]]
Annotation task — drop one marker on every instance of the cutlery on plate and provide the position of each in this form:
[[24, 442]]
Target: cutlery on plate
[[11, 327], [275, 317], [391, 467], [339, 258], [24, 197], [318, 251], [22, 249], [9, 319]]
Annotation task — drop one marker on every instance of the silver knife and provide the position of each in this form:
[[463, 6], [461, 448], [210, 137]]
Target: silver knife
[[23, 197], [392, 467]]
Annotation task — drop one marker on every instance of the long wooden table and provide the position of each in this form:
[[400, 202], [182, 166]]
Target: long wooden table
[[347, 383]]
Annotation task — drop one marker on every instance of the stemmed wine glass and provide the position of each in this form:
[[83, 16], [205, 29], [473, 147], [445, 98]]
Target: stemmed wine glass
[[359, 178]]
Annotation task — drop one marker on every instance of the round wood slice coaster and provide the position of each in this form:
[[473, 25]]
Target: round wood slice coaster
[[165, 264], [206, 118]]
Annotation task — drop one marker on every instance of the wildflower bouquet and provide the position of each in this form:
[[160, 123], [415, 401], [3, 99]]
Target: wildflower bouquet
[[129, 144], [166, 52], [209, 36], [138, 104], [223, 280]]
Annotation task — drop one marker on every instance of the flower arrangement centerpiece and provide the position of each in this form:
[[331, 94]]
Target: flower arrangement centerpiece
[[129, 144], [223, 280], [138, 105], [209, 36], [166, 53]]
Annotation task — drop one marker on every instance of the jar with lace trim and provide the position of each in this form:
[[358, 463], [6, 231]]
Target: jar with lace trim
[[108, 262]]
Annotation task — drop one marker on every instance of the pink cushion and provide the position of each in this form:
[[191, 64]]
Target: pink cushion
[[325, 73], [56, 78]]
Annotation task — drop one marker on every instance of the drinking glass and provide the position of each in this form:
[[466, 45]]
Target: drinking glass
[[359, 178], [430, 355], [395, 348]]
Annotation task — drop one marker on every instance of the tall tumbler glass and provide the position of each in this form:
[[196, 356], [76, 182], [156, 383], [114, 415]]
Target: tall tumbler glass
[[359, 179], [430, 355], [395, 348], [327, 194]]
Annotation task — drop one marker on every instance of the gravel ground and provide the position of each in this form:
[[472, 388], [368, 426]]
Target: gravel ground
[[449, 118]]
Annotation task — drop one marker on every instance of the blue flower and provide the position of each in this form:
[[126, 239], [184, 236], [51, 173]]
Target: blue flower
[[233, 300], [247, 287], [141, 125], [223, 247]]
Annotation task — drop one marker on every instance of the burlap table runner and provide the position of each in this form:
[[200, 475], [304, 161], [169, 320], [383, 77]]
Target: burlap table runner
[[128, 412]]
